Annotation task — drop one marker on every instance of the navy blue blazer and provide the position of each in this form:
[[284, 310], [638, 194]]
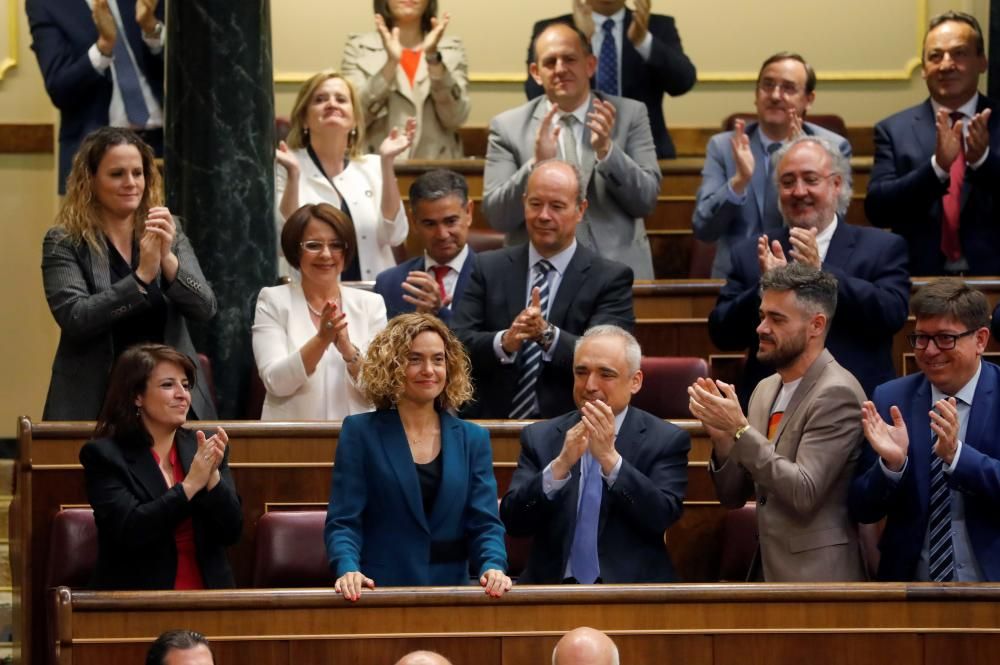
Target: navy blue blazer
[[389, 285], [905, 194], [375, 522], [62, 31], [907, 505], [668, 70], [873, 295], [647, 497], [136, 514]]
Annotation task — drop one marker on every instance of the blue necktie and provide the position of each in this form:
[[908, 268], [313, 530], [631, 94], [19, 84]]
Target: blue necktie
[[607, 61], [128, 81], [529, 359], [583, 559], [941, 564]]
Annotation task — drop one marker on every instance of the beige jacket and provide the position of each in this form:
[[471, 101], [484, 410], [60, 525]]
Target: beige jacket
[[440, 106], [802, 478]]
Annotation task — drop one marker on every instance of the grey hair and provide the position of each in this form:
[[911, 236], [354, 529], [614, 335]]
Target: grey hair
[[581, 187], [839, 164], [615, 659], [633, 352]]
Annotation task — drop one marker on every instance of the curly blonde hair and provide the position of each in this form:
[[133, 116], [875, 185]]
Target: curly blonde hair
[[383, 372], [80, 210], [298, 137]]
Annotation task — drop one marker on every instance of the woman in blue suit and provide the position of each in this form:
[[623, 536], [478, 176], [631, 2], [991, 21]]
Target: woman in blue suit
[[413, 499]]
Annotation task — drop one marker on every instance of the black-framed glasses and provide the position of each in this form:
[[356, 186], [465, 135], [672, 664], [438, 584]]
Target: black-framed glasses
[[943, 341], [316, 246]]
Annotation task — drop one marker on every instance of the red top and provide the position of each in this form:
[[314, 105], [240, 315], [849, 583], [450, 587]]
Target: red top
[[188, 574], [409, 61]]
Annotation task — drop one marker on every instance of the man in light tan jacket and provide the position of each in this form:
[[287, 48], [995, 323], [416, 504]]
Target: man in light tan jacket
[[801, 440]]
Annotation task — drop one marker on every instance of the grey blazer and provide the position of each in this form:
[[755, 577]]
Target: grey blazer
[[85, 305], [621, 191]]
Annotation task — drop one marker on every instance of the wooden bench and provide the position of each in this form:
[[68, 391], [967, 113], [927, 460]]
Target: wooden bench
[[740, 624]]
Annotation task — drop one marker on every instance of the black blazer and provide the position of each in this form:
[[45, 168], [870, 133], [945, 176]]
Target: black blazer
[[668, 70], [136, 514], [594, 290], [647, 498]]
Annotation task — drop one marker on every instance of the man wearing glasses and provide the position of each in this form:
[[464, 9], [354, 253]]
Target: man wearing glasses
[[737, 198], [811, 177], [932, 463]]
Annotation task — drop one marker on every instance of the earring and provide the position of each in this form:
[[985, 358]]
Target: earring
[[305, 131]]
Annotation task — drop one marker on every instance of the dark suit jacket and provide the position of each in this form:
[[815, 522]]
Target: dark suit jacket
[[873, 293], [376, 523], [668, 70], [62, 31], [907, 504], [593, 291], [904, 192], [136, 514], [389, 285], [647, 497]]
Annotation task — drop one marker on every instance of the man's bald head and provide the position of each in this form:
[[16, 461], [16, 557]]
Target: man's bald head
[[585, 646], [423, 658]]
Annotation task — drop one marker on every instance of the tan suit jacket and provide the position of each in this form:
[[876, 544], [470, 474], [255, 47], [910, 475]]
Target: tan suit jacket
[[440, 106], [802, 478]]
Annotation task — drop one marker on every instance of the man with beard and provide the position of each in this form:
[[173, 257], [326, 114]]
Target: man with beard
[[869, 264], [798, 446]]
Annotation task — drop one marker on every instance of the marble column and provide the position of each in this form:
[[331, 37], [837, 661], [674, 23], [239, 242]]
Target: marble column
[[219, 168]]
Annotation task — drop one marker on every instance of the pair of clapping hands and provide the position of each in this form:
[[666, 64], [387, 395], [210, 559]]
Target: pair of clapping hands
[[107, 30], [601, 122], [204, 470]]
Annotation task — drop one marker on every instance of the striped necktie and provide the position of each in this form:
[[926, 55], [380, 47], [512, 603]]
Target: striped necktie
[[941, 558], [127, 78], [529, 359]]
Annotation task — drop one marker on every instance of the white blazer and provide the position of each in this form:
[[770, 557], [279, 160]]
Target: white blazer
[[361, 184], [281, 327]]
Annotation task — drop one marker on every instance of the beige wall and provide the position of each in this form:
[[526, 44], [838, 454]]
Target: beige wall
[[308, 35]]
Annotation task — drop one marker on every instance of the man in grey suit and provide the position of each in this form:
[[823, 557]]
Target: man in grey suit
[[797, 447], [737, 198], [608, 138]]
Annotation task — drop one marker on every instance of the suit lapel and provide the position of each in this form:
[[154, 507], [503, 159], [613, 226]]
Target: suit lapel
[[300, 325], [983, 405], [569, 285], [392, 437], [587, 156], [758, 180], [631, 60], [805, 387], [842, 244], [627, 443], [142, 465], [517, 285], [918, 424], [573, 489], [463, 277], [760, 407], [924, 128], [452, 449]]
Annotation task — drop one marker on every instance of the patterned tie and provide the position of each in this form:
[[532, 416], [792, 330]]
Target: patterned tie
[[568, 121], [607, 61], [951, 203], [583, 559], [942, 559], [439, 275], [529, 360], [128, 80]]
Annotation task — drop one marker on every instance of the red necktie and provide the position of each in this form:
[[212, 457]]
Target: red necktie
[[951, 204], [439, 273]]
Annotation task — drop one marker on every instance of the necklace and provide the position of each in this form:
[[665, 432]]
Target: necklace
[[319, 314]]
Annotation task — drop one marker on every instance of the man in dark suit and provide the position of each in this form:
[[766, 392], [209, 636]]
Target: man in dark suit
[[180, 647], [526, 305], [932, 463], [598, 486], [433, 283], [937, 164], [642, 59], [101, 66], [873, 285], [737, 198]]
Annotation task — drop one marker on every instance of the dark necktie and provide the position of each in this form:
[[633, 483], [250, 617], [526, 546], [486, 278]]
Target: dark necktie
[[127, 78], [583, 559], [951, 204], [941, 559], [607, 61], [529, 359], [768, 200]]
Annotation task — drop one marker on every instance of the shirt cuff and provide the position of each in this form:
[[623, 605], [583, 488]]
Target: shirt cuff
[[551, 486], [645, 49], [98, 60], [155, 44], [504, 357], [981, 160], [893, 476], [938, 171], [948, 468], [733, 197], [613, 476]]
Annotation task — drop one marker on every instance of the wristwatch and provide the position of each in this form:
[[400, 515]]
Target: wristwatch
[[547, 337], [740, 432], [433, 58]]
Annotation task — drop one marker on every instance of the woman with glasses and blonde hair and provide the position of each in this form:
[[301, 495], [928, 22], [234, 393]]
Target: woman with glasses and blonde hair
[[414, 500], [117, 271], [322, 161], [309, 336]]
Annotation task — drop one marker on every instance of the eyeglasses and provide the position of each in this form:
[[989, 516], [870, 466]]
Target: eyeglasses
[[786, 89], [789, 181], [316, 246], [943, 341]]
